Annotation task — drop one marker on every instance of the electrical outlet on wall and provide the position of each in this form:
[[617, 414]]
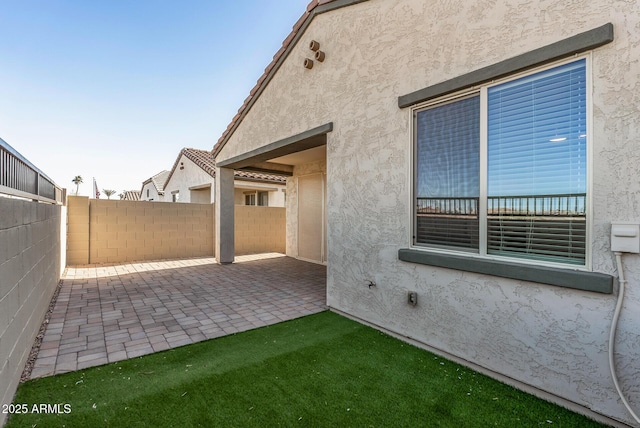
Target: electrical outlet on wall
[[412, 298], [625, 237]]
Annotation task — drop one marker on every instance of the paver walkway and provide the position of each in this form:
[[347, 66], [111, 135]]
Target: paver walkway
[[110, 313]]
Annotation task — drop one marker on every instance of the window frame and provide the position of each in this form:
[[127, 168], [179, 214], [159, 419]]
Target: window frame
[[250, 199], [482, 90]]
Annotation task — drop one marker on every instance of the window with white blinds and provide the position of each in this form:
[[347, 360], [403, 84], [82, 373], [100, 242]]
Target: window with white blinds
[[534, 201], [448, 173]]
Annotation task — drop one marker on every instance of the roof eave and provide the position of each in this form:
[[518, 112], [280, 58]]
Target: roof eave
[[316, 7]]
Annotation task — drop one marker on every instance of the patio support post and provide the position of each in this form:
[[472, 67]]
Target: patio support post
[[224, 201]]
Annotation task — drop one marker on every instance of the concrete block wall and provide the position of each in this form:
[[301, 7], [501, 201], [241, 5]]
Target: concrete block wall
[[30, 268], [78, 230], [106, 231], [259, 229], [121, 231]]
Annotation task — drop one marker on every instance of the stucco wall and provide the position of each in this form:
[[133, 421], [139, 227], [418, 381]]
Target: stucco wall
[[292, 201], [278, 197], [551, 338], [193, 176], [30, 255], [238, 196], [153, 193], [181, 179], [201, 196], [276, 192]]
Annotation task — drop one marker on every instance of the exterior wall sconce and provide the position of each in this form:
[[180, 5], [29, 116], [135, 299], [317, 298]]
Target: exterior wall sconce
[[181, 165], [314, 46], [319, 56], [308, 63]]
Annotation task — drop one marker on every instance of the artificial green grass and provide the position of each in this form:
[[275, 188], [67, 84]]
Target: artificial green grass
[[321, 370]]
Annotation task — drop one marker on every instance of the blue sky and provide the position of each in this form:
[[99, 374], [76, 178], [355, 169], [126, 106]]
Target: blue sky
[[114, 89]]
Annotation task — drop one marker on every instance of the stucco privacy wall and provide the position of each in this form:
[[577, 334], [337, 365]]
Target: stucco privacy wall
[[30, 268], [551, 338], [105, 231]]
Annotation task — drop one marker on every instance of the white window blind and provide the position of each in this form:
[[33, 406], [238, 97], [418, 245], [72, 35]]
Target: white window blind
[[536, 171], [448, 162], [537, 177]]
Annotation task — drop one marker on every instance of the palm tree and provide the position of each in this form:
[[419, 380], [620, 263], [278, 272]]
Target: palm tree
[[77, 180], [109, 192]]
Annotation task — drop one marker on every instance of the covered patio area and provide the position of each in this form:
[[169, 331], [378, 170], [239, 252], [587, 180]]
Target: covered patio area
[[105, 314]]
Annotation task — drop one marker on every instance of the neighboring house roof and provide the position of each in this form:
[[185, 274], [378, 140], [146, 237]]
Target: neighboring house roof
[[202, 158], [205, 160], [131, 195], [158, 180], [313, 8], [258, 176]]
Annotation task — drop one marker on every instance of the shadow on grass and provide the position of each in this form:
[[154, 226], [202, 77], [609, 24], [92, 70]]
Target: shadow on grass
[[320, 370]]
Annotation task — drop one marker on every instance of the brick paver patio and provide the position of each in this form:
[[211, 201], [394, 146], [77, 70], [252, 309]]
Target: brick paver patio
[[110, 313]]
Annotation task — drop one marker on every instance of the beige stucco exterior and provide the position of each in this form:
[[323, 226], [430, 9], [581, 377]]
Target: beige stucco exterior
[[150, 193], [185, 177], [191, 184], [546, 337], [276, 192], [317, 167]]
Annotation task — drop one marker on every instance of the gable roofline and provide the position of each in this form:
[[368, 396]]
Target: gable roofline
[[316, 7], [204, 160], [158, 180]]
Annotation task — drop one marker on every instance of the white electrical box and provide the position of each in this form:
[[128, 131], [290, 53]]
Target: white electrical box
[[625, 237]]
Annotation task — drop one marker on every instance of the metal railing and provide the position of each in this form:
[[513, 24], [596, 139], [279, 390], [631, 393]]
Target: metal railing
[[20, 178], [565, 205], [561, 205], [448, 206], [447, 221], [538, 226]]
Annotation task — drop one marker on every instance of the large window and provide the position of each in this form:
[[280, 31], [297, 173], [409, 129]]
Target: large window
[[502, 171]]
